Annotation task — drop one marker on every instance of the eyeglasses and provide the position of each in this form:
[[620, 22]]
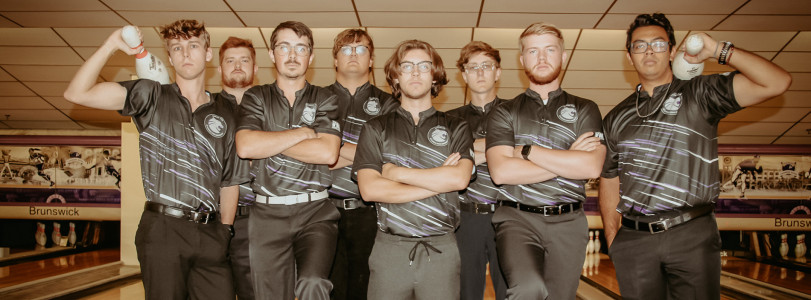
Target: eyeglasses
[[473, 68], [298, 49], [359, 50], [407, 67], [641, 46]]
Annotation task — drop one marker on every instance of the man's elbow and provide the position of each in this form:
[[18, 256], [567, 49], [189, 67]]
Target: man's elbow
[[497, 176], [244, 149]]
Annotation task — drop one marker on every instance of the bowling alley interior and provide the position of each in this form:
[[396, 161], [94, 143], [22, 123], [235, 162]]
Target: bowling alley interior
[[71, 193]]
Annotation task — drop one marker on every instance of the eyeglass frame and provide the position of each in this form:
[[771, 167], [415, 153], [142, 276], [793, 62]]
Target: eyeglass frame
[[649, 45], [473, 68], [293, 48], [353, 49], [417, 65]]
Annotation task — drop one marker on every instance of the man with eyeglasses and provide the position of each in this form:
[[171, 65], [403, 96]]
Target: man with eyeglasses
[[661, 180], [543, 146], [412, 162], [481, 68], [358, 102], [290, 130]]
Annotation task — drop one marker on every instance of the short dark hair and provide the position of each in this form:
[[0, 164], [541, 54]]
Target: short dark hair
[[392, 67], [474, 48], [185, 29], [655, 19], [299, 28]]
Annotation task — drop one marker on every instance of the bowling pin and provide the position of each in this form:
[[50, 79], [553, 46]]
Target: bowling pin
[[597, 241], [147, 66], [40, 236], [590, 245], [784, 245], [56, 235], [683, 69], [72, 234], [590, 260], [799, 249], [596, 262]]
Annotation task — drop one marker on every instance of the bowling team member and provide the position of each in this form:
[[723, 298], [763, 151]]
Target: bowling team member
[[237, 69], [181, 242], [481, 68], [543, 146], [358, 101], [661, 180], [290, 131], [412, 161]]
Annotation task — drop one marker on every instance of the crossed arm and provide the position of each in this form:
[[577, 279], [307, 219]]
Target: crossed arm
[[583, 160], [302, 144], [400, 184]]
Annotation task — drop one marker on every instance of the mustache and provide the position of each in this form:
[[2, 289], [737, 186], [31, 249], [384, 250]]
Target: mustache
[[290, 61]]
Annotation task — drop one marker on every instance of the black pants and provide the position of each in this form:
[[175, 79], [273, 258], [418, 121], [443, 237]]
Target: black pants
[[681, 263], [181, 259], [240, 260], [541, 256], [291, 249], [356, 237], [476, 239]]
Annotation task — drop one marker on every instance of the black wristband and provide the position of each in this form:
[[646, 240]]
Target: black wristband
[[525, 151], [722, 57]]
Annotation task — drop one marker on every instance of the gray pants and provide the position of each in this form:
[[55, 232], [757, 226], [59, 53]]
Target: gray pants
[[240, 262], [477, 246], [289, 241], [541, 256], [681, 263], [430, 275]]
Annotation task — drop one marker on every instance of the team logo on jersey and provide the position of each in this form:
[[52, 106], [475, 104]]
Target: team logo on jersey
[[372, 106], [567, 113], [672, 104], [308, 115], [215, 125], [438, 135], [336, 126]]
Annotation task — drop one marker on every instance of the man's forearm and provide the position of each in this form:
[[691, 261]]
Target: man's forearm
[[229, 198], [609, 198], [441, 179]]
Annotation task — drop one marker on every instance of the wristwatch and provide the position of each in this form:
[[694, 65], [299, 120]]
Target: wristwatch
[[525, 151]]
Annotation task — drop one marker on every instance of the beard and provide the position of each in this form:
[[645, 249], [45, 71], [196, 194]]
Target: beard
[[237, 82], [543, 79]]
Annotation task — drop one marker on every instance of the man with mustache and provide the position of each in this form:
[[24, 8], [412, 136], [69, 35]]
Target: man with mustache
[[543, 146], [290, 131], [661, 180], [237, 70], [358, 102]]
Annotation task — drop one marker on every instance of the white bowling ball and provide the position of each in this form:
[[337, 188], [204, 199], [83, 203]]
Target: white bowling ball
[[694, 44], [684, 70]]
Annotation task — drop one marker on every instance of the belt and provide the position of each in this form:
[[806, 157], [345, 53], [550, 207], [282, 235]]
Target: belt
[[350, 203], [549, 210], [478, 208], [664, 224], [175, 212], [292, 199], [243, 210]]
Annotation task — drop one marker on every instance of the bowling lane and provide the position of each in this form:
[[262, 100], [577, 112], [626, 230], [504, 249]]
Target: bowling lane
[[34, 270], [779, 276]]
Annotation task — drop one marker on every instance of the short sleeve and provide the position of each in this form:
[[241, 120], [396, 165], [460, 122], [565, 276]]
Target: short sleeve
[[327, 116], [500, 130], [141, 103], [252, 110], [462, 140], [590, 120], [716, 94], [368, 154]]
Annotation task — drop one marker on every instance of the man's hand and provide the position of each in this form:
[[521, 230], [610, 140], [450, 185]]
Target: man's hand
[[586, 142], [452, 159]]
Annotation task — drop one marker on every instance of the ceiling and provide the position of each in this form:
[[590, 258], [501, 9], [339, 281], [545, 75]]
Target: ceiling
[[43, 43]]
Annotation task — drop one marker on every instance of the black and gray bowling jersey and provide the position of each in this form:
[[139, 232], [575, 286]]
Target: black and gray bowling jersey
[[393, 138], [482, 189], [527, 121], [669, 159], [265, 108], [186, 157], [367, 103], [246, 195]]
